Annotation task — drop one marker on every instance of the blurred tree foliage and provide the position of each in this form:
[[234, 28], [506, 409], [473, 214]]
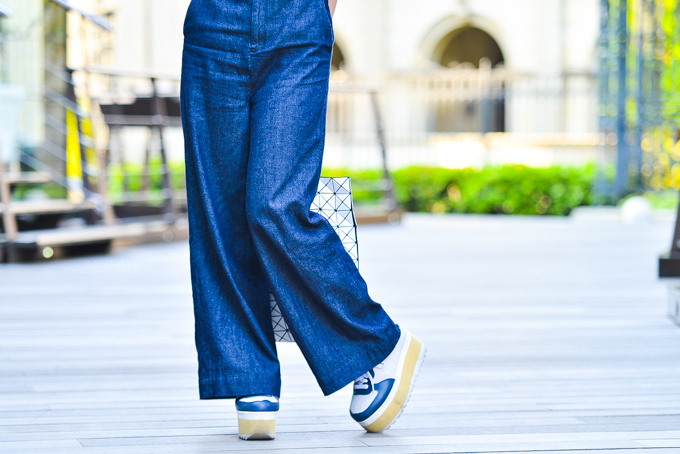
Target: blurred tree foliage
[[649, 38], [653, 105], [670, 76]]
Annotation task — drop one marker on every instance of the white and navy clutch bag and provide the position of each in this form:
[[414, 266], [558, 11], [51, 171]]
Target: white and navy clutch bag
[[334, 202]]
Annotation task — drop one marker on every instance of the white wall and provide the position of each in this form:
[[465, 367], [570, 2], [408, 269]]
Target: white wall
[[149, 34], [24, 53]]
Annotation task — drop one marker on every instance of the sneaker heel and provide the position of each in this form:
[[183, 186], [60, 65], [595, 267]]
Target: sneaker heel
[[256, 425]]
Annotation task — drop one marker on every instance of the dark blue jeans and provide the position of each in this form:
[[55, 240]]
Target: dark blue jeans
[[254, 92]]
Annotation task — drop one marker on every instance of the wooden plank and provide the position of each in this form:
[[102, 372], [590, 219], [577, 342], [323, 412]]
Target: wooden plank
[[6, 446], [524, 439], [47, 206], [16, 178], [81, 235], [257, 447]]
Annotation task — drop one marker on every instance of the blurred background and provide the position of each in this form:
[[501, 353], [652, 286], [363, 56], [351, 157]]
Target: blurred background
[[463, 106], [515, 157]]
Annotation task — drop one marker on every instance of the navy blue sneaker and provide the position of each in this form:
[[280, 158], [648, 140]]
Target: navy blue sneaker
[[257, 417], [381, 394]]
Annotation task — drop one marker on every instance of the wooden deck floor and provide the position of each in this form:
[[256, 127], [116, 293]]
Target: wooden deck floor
[[544, 335]]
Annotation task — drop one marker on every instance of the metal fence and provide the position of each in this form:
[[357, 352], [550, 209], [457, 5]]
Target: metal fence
[[466, 117], [639, 94]]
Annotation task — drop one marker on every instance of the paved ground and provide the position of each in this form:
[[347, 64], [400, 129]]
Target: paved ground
[[544, 334]]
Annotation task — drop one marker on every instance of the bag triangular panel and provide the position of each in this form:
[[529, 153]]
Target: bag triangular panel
[[333, 201]]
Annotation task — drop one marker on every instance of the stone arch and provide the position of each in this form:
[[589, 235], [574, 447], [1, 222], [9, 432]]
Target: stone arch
[[434, 44], [477, 104]]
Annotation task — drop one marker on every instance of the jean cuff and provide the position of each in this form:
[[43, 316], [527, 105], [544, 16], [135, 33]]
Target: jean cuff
[[232, 386]]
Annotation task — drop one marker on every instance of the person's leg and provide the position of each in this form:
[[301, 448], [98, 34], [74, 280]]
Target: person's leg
[[234, 335], [340, 330]]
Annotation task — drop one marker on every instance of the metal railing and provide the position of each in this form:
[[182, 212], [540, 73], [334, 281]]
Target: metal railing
[[451, 117]]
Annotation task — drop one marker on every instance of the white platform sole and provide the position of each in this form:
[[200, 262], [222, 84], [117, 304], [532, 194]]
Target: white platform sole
[[256, 425], [410, 363]]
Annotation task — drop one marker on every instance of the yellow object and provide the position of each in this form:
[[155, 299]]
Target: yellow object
[[74, 170], [87, 129]]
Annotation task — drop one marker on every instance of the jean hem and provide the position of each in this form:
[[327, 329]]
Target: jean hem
[[345, 375], [232, 386]]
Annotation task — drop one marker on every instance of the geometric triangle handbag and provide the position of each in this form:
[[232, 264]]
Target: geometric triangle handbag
[[333, 201]]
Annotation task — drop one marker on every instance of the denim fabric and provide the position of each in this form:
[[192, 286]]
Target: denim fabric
[[254, 92]]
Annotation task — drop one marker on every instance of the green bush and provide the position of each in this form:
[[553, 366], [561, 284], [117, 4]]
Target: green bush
[[366, 184], [508, 189], [135, 179]]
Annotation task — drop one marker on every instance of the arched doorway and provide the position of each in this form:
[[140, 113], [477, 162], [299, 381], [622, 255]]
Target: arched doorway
[[468, 45], [338, 59], [470, 99]]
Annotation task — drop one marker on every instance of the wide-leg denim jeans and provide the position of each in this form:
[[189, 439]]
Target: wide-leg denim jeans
[[254, 91]]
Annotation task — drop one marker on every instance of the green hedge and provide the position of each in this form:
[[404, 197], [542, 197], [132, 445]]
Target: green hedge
[[135, 178], [509, 189]]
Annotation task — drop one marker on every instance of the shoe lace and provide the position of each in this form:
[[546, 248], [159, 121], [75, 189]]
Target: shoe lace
[[363, 381]]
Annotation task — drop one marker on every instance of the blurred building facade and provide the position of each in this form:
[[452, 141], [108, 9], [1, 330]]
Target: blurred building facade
[[528, 36], [550, 42], [474, 82], [377, 38], [457, 78], [445, 69]]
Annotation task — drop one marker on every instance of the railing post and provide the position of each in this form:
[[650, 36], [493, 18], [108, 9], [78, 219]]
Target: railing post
[[161, 115], [8, 218], [639, 98], [622, 155], [389, 188]]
